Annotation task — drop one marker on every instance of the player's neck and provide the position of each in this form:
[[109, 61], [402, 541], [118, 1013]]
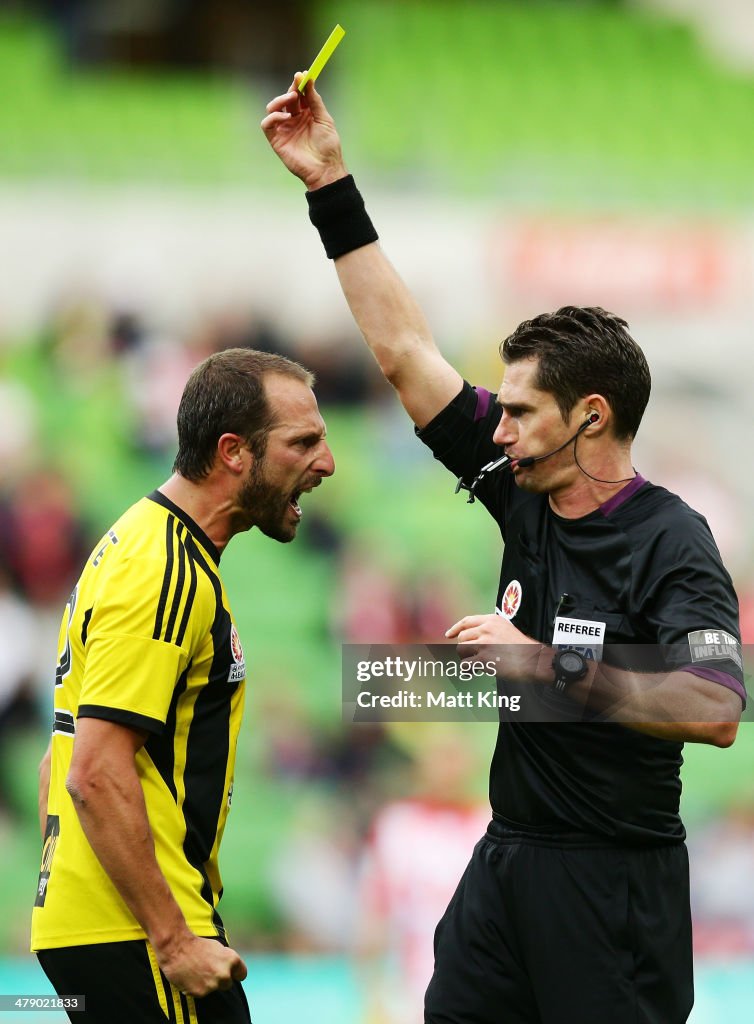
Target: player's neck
[[203, 505]]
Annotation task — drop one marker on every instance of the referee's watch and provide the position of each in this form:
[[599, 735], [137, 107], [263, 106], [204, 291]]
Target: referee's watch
[[570, 666]]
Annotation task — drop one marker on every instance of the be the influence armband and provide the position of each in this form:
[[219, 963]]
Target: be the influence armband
[[337, 211]]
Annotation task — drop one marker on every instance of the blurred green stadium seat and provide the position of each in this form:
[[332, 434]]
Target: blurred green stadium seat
[[457, 95]]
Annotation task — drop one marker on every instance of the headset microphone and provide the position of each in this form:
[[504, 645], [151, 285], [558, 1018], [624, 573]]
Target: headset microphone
[[505, 461], [529, 460]]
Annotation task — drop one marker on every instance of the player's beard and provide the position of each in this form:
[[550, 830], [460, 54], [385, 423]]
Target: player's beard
[[266, 506]]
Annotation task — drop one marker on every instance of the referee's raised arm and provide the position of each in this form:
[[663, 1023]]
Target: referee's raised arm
[[303, 134]]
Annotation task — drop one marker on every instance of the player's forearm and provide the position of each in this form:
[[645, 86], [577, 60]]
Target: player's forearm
[[110, 806]]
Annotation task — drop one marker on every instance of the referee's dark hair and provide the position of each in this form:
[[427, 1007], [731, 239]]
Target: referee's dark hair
[[584, 350], [226, 394]]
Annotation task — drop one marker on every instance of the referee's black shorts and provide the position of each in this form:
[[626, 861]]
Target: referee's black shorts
[[122, 984], [567, 934]]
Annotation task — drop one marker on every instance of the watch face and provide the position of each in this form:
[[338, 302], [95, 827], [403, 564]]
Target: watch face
[[570, 666], [571, 662]]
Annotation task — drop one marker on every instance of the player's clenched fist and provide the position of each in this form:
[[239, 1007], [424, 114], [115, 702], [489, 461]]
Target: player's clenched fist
[[199, 966]]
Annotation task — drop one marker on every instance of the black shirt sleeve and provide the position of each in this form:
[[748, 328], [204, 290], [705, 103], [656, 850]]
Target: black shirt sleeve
[[460, 437], [692, 606]]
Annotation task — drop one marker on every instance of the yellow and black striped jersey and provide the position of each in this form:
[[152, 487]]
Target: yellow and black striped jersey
[[147, 640]]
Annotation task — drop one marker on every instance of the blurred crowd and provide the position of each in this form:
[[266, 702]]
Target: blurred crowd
[[43, 541], [384, 817]]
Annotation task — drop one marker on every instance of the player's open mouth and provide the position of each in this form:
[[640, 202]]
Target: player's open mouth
[[293, 500]]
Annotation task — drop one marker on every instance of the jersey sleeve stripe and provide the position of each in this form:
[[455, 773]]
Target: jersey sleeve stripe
[[64, 723], [189, 602], [165, 579], [716, 676], [121, 717], [178, 593]]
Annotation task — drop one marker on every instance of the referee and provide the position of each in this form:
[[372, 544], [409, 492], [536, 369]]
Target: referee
[[574, 908], [136, 786]]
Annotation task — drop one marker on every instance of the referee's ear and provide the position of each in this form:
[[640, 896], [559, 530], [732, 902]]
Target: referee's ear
[[233, 454]]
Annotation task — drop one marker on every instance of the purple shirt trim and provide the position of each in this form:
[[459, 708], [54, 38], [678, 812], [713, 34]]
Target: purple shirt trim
[[715, 676], [623, 495], [483, 399]]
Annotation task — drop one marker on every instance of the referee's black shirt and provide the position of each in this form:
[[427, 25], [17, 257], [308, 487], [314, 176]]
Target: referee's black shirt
[[646, 566]]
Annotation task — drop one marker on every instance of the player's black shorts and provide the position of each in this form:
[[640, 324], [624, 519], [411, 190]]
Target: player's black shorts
[[122, 984], [570, 934]]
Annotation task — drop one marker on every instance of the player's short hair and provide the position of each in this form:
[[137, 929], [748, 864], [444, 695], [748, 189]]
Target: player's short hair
[[585, 350], [226, 394]]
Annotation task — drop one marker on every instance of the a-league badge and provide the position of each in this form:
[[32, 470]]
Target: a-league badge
[[511, 600]]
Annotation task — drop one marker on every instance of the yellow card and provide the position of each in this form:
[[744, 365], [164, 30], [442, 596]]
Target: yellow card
[[323, 56]]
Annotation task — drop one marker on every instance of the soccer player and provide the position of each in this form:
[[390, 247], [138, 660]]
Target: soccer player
[[149, 690], [574, 908]]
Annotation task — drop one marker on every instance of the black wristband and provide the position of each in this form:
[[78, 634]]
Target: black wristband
[[337, 211]]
